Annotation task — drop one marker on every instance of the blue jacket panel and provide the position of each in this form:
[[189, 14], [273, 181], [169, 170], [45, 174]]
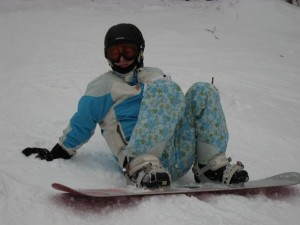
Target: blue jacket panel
[[84, 121]]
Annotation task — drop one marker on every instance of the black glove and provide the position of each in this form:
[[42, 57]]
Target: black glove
[[44, 154]]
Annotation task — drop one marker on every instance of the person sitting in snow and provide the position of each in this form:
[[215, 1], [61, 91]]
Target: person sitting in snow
[[156, 133]]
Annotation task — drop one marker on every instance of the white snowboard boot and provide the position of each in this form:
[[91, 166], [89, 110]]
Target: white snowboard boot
[[146, 171]]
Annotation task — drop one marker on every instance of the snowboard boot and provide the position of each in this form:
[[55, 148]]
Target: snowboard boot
[[219, 170], [146, 171]]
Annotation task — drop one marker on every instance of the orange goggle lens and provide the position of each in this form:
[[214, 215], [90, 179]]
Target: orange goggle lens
[[128, 51]]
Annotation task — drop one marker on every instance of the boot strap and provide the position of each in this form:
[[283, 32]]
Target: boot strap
[[230, 171]]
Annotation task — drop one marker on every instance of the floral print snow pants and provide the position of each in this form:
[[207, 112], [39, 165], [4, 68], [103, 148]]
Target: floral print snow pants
[[170, 124]]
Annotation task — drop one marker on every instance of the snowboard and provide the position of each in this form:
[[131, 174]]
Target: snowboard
[[269, 183]]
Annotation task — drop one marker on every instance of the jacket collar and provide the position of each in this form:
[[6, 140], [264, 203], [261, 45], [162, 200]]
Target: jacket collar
[[130, 77]]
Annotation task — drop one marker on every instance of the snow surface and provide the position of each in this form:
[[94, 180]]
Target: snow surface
[[50, 50]]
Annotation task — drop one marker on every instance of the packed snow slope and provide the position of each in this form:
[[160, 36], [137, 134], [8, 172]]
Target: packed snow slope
[[50, 50]]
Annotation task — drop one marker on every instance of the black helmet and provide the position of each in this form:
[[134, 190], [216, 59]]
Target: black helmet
[[125, 33]]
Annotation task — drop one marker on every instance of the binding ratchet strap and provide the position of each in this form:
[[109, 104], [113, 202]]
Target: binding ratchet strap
[[215, 163], [230, 171], [146, 170]]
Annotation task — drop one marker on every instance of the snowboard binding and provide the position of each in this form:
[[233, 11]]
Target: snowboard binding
[[220, 170], [146, 171]]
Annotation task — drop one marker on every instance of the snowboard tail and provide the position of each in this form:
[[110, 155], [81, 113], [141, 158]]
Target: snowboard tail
[[277, 181]]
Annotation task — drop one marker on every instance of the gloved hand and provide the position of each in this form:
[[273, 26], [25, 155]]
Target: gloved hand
[[44, 154]]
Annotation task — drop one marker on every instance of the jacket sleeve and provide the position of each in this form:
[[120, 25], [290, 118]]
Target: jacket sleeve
[[91, 111]]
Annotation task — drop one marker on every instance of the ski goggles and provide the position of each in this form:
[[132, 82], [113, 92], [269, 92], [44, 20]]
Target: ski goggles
[[127, 51]]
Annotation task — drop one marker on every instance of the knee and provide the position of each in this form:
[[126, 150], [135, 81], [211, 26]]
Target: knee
[[165, 92], [165, 88], [202, 89]]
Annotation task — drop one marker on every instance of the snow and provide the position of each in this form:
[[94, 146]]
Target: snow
[[50, 50]]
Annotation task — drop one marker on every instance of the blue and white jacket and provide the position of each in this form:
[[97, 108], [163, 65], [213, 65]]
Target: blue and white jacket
[[113, 101]]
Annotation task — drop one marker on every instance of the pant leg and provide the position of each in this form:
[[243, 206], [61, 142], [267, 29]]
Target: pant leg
[[161, 109], [211, 129], [201, 133]]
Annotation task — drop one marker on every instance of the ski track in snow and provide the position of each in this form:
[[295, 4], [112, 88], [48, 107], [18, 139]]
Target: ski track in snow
[[50, 50]]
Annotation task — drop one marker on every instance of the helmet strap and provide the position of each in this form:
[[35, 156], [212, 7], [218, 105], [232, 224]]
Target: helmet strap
[[140, 59]]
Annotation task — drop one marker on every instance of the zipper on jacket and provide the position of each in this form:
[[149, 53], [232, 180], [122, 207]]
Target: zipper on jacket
[[121, 136]]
